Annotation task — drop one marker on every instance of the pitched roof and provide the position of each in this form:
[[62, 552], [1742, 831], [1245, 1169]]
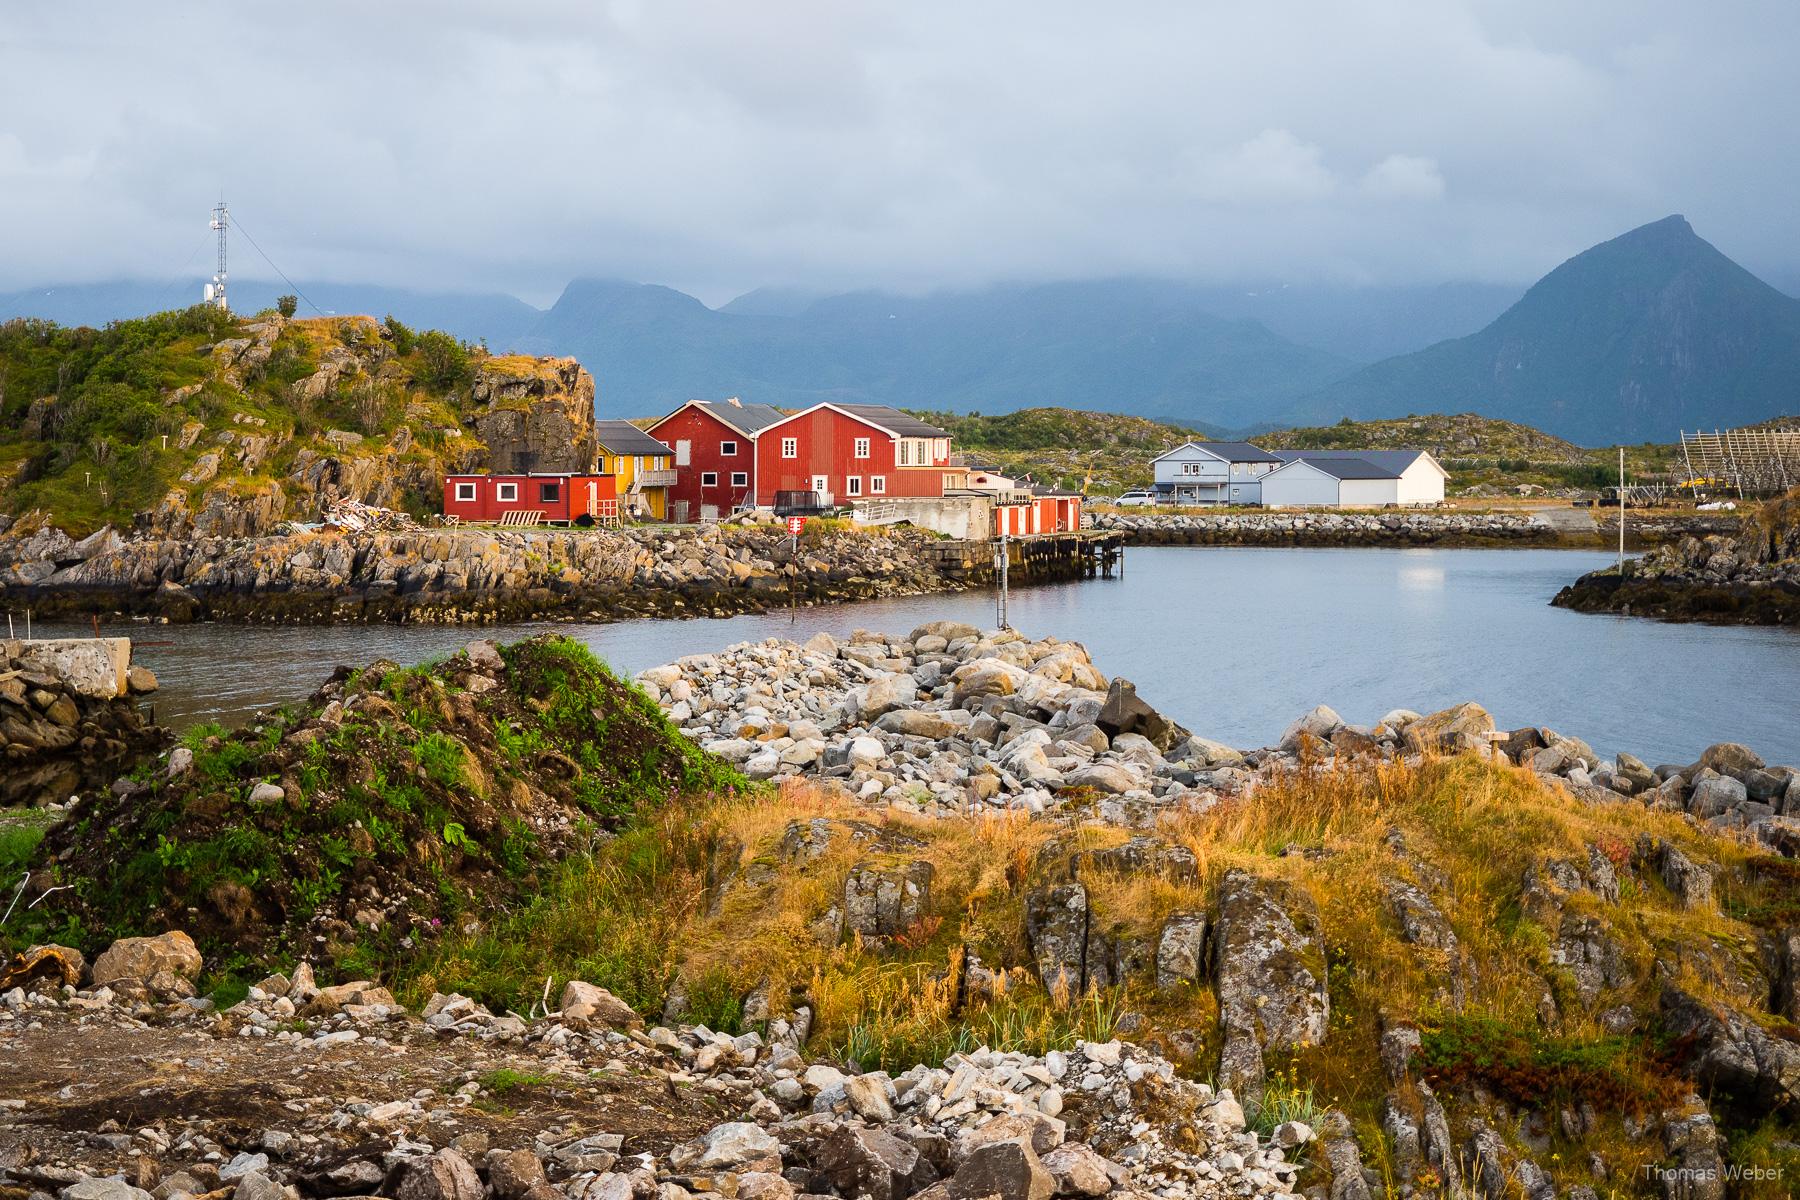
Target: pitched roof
[[747, 419], [1231, 452], [622, 437], [1393, 462], [892, 419], [1340, 466]]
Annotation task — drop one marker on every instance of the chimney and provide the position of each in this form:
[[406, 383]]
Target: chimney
[[734, 402]]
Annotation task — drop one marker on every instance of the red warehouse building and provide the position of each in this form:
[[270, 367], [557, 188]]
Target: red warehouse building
[[715, 455], [1048, 511], [848, 452], [558, 498]]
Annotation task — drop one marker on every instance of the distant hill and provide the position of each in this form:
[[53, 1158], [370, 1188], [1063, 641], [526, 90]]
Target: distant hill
[[1630, 341], [1132, 346], [1447, 436], [497, 318], [1063, 447]]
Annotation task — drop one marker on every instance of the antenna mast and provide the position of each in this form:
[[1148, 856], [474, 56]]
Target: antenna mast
[[215, 291]]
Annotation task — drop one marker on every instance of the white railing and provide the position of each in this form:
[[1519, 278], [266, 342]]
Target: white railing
[[654, 479]]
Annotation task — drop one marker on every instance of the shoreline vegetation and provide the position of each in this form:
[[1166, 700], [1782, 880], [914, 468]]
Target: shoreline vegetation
[[946, 909]]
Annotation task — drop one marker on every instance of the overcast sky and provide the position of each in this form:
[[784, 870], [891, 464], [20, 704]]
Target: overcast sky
[[910, 144]]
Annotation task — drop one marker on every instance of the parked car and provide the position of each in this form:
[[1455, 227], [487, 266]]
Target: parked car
[[1135, 496]]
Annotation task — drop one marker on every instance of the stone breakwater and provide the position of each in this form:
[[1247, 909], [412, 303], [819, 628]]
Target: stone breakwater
[[461, 575], [68, 714], [1329, 529], [952, 719], [395, 1103]]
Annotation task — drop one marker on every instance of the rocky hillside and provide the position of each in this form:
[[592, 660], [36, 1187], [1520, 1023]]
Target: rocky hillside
[[1748, 577], [197, 423], [990, 925], [1064, 446]]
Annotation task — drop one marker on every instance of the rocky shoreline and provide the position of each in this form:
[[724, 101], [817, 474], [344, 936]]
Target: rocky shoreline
[[950, 720], [459, 576], [69, 715], [877, 745], [1750, 577]]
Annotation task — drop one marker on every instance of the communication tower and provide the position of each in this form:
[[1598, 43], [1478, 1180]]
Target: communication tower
[[215, 291]]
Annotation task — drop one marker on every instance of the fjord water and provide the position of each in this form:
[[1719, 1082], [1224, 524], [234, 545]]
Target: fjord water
[[1234, 643]]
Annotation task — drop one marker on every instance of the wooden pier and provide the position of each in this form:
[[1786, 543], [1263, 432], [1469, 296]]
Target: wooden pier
[[1036, 558]]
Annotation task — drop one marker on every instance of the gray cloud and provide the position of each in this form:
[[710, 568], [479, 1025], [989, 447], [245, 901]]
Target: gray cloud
[[839, 143]]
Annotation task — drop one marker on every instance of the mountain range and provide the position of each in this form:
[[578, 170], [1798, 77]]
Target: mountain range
[[1632, 340]]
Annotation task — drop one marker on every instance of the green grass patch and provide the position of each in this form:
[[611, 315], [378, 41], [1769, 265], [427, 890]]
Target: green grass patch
[[1529, 1066]]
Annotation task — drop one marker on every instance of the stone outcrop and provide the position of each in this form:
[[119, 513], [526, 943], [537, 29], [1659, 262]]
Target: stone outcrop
[[459, 575], [535, 414], [1269, 961], [68, 715], [1751, 577]]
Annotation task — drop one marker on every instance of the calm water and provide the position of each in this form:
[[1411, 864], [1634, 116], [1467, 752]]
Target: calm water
[[1233, 643]]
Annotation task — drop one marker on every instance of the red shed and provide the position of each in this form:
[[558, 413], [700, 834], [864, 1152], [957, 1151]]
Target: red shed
[[851, 451], [715, 455], [559, 498], [1049, 511]]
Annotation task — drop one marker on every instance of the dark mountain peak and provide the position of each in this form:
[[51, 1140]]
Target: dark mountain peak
[[595, 294], [1634, 339]]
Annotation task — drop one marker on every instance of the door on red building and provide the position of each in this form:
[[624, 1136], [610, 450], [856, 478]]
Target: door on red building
[[821, 484]]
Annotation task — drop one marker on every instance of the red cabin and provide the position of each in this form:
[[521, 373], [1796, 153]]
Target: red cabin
[[848, 452], [1049, 511], [715, 456], [564, 499]]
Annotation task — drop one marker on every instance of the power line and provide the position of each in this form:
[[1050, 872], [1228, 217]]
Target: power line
[[265, 257]]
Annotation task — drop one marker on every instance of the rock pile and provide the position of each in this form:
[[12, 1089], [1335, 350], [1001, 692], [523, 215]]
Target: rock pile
[[946, 719], [401, 1105], [68, 715]]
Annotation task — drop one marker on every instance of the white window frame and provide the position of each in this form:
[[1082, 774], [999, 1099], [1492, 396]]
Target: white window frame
[[853, 485], [465, 493], [728, 448], [940, 448], [740, 479], [709, 479], [506, 493], [905, 452], [862, 448], [790, 447], [878, 485]]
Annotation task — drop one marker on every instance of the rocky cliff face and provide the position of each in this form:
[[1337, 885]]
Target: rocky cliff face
[[68, 715], [535, 414]]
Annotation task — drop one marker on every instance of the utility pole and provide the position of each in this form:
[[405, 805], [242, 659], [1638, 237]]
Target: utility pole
[[1621, 511], [1001, 564]]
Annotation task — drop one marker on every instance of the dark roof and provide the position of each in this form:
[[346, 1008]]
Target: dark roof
[[622, 437], [1229, 451], [1343, 467], [1393, 462], [892, 420], [747, 419]]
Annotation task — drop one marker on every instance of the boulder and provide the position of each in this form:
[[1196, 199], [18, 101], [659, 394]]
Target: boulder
[[860, 1161], [727, 1147], [144, 959], [1716, 795], [885, 694], [1731, 1053], [1125, 712], [1080, 1171], [1730, 758], [1180, 950], [1010, 1170], [1270, 966], [586, 1003], [445, 1175], [1321, 722], [914, 722], [1456, 730]]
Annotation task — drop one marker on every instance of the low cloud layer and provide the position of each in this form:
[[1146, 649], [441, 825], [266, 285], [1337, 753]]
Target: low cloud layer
[[717, 146]]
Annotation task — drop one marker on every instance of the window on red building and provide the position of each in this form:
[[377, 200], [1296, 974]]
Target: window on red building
[[728, 449], [549, 493], [506, 492], [465, 491]]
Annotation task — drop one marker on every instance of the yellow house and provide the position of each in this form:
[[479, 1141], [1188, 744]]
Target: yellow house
[[641, 465]]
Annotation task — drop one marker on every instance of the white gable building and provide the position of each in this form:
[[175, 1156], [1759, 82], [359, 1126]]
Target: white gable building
[[1354, 479], [1212, 473]]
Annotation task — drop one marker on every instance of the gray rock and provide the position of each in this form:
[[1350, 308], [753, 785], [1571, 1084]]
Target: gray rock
[[1180, 951], [862, 1161], [1010, 1170], [445, 1175], [1732, 1053], [1270, 967]]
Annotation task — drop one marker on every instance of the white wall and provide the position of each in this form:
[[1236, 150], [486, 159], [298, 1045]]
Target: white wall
[[1296, 484], [1421, 483], [1368, 493]]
